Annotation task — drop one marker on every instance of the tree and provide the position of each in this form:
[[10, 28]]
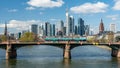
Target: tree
[[28, 37], [117, 38], [110, 37], [3, 38]]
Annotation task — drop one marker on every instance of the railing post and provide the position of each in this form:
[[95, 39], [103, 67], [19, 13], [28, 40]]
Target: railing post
[[67, 52]]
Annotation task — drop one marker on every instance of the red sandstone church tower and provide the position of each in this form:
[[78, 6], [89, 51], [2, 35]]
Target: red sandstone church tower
[[101, 27]]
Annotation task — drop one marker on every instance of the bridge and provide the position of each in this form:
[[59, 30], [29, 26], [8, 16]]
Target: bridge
[[67, 46]]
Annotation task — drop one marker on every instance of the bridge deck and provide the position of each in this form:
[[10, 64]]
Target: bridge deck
[[57, 43]]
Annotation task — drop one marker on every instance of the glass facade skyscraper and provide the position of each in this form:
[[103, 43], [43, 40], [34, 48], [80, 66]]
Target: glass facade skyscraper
[[69, 24], [34, 28], [47, 29], [81, 27], [53, 30]]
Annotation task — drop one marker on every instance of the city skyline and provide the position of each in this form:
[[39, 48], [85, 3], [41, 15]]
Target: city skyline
[[29, 12]]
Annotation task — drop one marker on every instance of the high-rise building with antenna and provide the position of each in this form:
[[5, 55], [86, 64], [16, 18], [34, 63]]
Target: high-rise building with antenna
[[67, 23]]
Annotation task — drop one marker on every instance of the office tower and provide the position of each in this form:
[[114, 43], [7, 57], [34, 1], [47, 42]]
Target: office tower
[[60, 25], [87, 27], [64, 30], [53, 30], [71, 25], [76, 29], [81, 27], [47, 29], [41, 31], [34, 29], [101, 27], [112, 27], [50, 30], [91, 32], [5, 31], [67, 23], [12, 35], [19, 35]]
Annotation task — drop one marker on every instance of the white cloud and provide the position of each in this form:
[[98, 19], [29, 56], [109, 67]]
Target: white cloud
[[41, 13], [30, 8], [45, 3], [20, 25], [53, 19], [90, 8], [117, 5], [113, 17], [12, 10]]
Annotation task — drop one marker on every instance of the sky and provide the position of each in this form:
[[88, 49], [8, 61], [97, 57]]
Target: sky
[[20, 14]]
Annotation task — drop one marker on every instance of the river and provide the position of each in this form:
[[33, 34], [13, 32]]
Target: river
[[52, 57]]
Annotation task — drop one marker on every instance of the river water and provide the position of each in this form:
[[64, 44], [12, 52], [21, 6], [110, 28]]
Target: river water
[[52, 57]]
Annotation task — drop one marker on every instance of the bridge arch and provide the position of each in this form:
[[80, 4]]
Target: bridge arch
[[40, 51], [90, 51], [19, 46], [100, 46]]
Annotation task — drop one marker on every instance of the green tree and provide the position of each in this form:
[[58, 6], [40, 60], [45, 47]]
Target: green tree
[[110, 37], [117, 38], [28, 37], [3, 38]]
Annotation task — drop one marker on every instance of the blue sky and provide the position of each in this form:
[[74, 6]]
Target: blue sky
[[19, 14]]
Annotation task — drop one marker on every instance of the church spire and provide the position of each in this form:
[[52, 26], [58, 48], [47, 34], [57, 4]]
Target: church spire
[[101, 27], [5, 31], [101, 20]]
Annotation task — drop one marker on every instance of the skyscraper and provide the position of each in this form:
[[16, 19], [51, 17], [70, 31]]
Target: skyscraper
[[112, 27], [81, 27], [76, 29], [34, 28], [67, 23], [101, 27], [53, 30], [87, 27], [48, 29], [41, 31], [64, 30], [60, 26], [71, 25]]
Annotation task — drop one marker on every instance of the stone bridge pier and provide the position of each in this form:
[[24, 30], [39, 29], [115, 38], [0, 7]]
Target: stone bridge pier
[[67, 52], [11, 52], [115, 53]]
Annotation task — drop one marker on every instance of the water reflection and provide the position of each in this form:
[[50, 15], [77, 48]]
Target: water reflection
[[118, 59], [11, 63], [51, 57], [62, 63], [66, 63]]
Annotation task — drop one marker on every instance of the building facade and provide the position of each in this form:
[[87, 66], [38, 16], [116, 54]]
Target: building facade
[[71, 26], [81, 27], [67, 23], [113, 27], [48, 29], [34, 28]]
